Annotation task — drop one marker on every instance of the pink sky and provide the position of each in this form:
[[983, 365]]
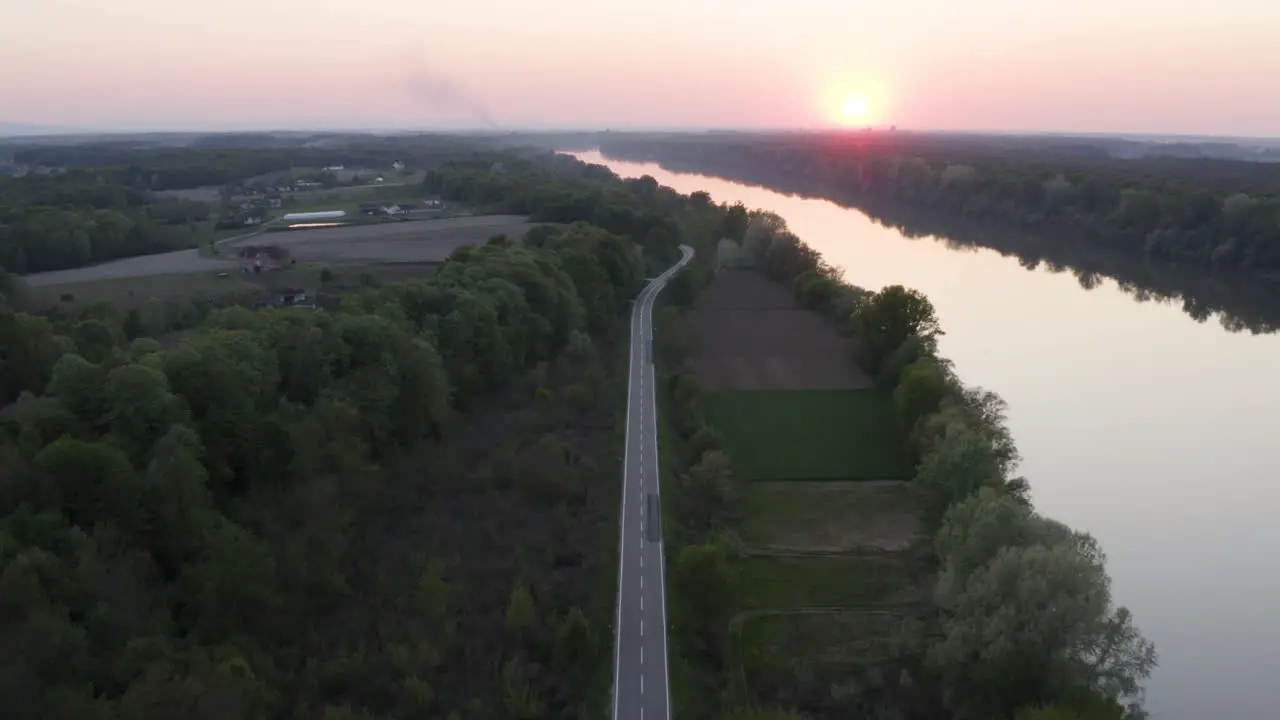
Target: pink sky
[[1167, 66]]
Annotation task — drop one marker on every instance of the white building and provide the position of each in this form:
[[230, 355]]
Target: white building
[[309, 216]]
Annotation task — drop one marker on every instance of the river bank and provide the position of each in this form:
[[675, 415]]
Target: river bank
[[1136, 423]]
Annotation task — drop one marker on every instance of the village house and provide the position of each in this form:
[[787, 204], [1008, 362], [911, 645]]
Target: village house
[[262, 258]]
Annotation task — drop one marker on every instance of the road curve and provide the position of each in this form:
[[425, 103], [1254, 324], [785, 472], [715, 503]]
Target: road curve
[[640, 688]]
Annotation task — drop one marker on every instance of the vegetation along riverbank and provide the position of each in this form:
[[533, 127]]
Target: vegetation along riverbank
[[851, 538], [1204, 232]]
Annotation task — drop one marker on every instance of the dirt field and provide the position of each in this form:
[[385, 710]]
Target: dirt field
[[750, 334], [421, 241], [179, 261]]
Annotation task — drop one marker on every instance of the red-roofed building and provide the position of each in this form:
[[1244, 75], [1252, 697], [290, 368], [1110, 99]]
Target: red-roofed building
[[262, 258]]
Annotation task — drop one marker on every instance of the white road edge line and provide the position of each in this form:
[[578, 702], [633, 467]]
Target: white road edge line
[[622, 509]]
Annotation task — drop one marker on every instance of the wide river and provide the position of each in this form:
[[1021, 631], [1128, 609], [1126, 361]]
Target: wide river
[[1157, 434]]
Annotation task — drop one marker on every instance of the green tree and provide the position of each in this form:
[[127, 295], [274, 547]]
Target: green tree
[[708, 493], [140, 407], [520, 612], [982, 411], [1026, 631], [887, 318], [90, 482], [920, 392], [702, 585], [960, 464], [78, 386], [95, 339], [574, 645]]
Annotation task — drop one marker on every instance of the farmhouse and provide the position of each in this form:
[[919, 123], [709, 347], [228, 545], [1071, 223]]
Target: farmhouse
[[262, 258]]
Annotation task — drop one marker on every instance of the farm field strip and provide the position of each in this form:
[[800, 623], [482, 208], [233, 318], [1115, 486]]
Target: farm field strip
[[749, 334], [827, 577], [809, 434], [829, 516], [771, 583]]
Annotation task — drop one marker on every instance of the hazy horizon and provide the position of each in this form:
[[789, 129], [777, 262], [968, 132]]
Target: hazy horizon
[[1096, 67]]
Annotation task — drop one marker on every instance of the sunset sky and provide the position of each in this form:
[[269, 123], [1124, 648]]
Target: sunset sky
[[1167, 66]]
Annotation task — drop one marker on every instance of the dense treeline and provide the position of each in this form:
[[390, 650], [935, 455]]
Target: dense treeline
[[65, 220], [1208, 213], [399, 508], [1240, 302], [1023, 622], [558, 189], [220, 159]]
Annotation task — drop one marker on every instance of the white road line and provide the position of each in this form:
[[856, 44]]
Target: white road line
[[622, 520]]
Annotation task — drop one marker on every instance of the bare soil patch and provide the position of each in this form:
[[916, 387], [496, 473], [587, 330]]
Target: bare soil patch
[[419, 241], [750, 334], [179, 261]]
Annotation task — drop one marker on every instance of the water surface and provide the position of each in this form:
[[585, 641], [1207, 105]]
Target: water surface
[[1154, 432]]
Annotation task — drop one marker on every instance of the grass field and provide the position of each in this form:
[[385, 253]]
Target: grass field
[[830, 516], [839, 581], [810, 434], [855, 636]]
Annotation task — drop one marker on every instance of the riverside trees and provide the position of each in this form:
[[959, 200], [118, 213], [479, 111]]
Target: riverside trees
[[1023, 619]]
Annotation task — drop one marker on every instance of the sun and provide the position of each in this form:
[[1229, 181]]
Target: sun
[[854, 109]]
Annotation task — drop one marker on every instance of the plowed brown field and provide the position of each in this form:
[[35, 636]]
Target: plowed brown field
[[750, 334]]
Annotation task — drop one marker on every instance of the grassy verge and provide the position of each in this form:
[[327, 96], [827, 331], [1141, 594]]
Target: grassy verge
[[686, 681], [853, 637], [830, 516], [810, 434], [799, 582]]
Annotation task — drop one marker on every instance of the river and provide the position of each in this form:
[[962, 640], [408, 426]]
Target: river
[[1152, 431]]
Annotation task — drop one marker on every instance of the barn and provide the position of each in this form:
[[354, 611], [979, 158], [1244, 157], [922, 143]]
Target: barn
[[262, 258]]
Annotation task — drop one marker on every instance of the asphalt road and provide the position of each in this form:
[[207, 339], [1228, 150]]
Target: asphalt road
[[640, 689]]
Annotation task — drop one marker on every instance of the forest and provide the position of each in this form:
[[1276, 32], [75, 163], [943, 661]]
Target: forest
[[1206, 213], [80, 217], [1019, 621], [401, 507]]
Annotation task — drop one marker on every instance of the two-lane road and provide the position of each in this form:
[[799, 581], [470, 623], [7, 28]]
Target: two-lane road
[[640, 689]]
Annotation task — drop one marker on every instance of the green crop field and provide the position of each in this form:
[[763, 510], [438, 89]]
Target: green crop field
[[810, 434]]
